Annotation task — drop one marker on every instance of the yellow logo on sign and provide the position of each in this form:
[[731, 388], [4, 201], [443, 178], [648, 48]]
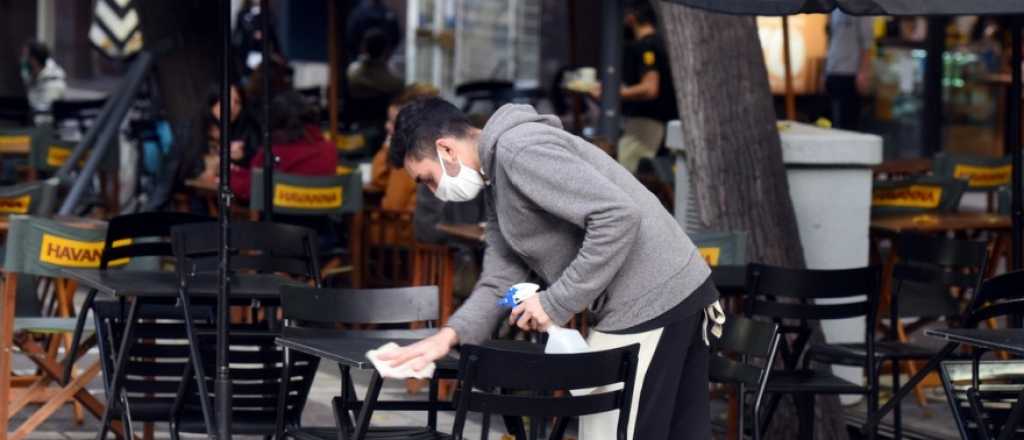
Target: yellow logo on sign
[[343, 170], [65, 252], [56, 156], [981, 176], [649, 58], [15, 140], [710, 255], [15, 205], [349, 142], [914, 196], [290, 196]]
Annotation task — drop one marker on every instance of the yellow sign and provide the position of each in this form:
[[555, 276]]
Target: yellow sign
[[290, 196], [349, 142], [65, 252], [56, 156], [914, 196], [649, 58], [15, 205], [710, 255], [343, 170], [982, 176], [15, 140]]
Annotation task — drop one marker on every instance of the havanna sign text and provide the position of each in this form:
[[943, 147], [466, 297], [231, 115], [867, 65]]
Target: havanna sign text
[[65, 252], [913, 196], [291, 196]]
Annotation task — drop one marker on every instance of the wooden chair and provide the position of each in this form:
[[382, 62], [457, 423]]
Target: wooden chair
[[388, 248], [41, 247]]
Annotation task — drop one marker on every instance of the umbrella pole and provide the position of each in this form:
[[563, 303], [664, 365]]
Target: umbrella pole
[[332, 57], [788, 62], [268, 152], [611, 68], [222, 385], [1013, 138]]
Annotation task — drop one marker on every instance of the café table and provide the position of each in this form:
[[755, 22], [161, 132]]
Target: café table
[[940, 222], [903, 167], [348, 349], [157, 286], [1010, 340], [472, 232]]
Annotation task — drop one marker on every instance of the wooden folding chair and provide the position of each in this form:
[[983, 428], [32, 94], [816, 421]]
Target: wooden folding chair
[[39, 247]]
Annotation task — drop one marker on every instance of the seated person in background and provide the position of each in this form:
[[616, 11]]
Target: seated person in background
[[399, 189], [298, 145], [371, 83], [203, 160], [43, 78]]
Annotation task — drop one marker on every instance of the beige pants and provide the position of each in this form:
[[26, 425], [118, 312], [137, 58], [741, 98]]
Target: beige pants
[[640, 139], [604, 425]]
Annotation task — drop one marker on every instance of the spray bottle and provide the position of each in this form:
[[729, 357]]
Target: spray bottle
[[560, 340]]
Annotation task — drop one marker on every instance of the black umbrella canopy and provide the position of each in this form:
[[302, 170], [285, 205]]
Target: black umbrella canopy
[[860, 7]]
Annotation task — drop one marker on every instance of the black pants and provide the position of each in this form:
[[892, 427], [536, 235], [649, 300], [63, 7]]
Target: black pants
[[674, 399], [846, 101]]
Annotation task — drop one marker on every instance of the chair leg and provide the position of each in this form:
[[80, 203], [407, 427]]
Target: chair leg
[[897, 412], [805, 411], [773, 405], [741, 411]]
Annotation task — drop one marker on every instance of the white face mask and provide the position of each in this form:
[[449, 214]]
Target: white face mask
[[461, 188]]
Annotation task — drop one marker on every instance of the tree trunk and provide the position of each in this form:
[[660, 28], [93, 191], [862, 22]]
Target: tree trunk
[[185, 36], [735, 155]]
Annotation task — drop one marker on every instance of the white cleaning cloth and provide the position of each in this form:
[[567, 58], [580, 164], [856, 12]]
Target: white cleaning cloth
[[403, 372]]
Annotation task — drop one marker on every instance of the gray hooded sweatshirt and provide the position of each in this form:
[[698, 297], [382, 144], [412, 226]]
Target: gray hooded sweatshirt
[[560, 207]]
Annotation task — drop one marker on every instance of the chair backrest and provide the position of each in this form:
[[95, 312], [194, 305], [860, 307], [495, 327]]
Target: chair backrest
[[999, 296], [360, 306], [983, 174], [145, 234], [935, 268], [33, 198], [42, 247], [743, 340], [310, 195], [999, 384], [812, 295], [721, 248], [49, 152], [917, 195], [261, 247], [533, 376], [159, 355]]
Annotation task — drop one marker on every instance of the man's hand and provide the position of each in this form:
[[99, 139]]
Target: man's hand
[[530, 315], [423, 352]]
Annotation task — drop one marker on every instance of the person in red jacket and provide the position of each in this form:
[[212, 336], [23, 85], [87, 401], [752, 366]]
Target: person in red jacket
[[298, 146]]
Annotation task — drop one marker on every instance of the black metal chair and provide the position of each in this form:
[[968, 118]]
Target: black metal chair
[[524, 392], [255, 361], [794, 299], [999, 297], [981, 396], [744, 342], [307, 309], [931, 273], [158, 359], [141, 235]]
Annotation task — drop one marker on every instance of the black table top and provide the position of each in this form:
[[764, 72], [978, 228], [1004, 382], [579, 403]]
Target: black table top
[[348, 347], [157, 284], [729, 279], [1009, 339]]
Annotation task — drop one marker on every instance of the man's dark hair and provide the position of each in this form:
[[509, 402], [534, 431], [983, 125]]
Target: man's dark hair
[[38, 51], [289, 117], [375, 44], [643, 11], [420, 124]]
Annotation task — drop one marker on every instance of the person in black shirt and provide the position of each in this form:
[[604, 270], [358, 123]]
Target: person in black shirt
[[648, 98]]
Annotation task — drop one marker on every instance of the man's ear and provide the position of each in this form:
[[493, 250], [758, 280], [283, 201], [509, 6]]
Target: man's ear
[[444, 146]]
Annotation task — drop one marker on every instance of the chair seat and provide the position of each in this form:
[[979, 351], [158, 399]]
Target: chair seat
[[811, 381], [150, 409], [48, 325], [242, 423], [398, 432], [855, 353]]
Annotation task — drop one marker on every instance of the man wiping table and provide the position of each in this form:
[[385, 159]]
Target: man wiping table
[[560, 207]]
